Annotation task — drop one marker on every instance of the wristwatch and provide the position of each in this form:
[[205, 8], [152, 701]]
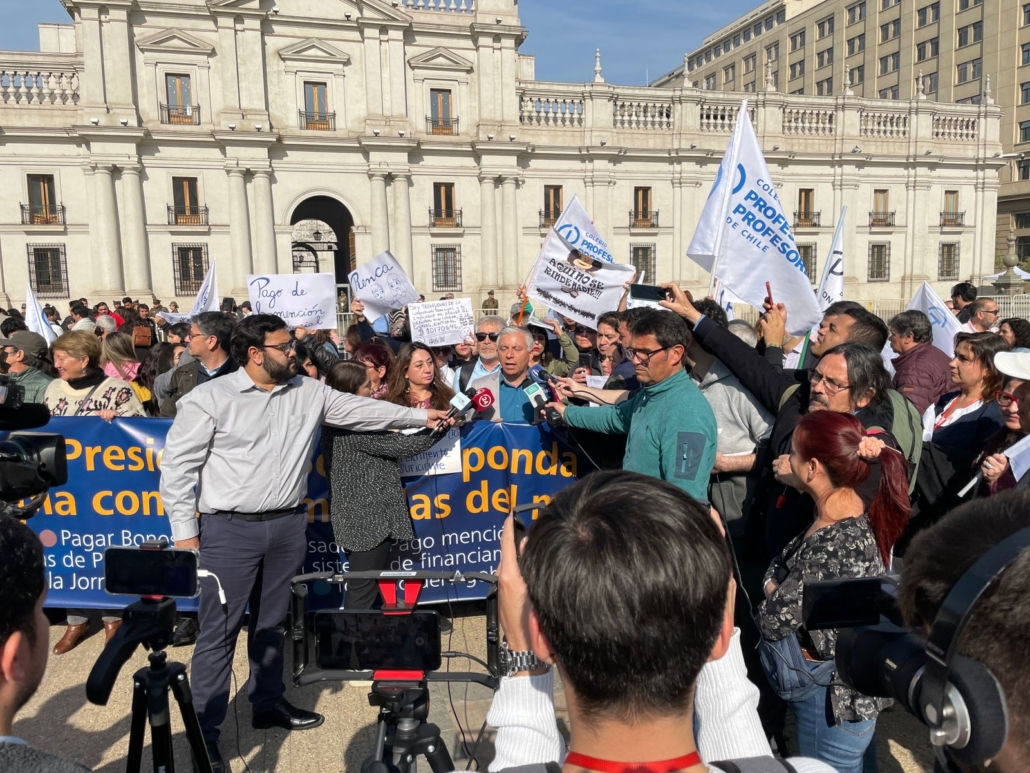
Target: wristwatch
[[514, 662]]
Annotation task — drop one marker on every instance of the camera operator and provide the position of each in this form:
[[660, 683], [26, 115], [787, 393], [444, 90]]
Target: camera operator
[[999, 624], [24, 644], [628, 592]]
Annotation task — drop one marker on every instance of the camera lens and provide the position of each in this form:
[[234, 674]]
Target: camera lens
[[420, 641]]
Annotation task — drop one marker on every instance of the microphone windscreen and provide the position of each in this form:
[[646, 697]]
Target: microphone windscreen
[[483, 399], [28, 416]]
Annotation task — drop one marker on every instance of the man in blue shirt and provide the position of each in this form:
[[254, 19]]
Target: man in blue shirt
[[507, 383]]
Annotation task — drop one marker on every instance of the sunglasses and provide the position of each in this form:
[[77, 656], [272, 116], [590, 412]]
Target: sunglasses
[[581, 330], [441, 350], [483, 336]]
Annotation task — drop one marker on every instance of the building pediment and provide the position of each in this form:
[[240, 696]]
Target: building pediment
[[377, 10], [174, 41], [314, 51], [440, 59]]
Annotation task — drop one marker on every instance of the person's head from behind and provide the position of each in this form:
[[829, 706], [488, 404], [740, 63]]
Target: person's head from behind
[[998, 627], [848, 378], [378, 359], [210, 339], [515, 346], [972, 367], [743, 330], [825, 459], [263, 346], [658, 344], [488, 330], [717, 314], [12, 325], [24, 629], [1016, 332], [350, 377], [908, 330], [962, 295], [851, 324], [75, 354], [628, 579], [79, 312], [119, 352]]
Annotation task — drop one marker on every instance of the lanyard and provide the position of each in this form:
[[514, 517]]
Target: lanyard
[[607, 766]]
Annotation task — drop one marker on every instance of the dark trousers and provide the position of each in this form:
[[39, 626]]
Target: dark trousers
[[363, 594], [255, 560]]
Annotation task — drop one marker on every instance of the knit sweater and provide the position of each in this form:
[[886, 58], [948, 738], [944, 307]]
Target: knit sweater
[[19, 758], [65, 398]]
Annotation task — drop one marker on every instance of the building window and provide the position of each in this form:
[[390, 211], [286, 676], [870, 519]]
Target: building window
[[806, 215], [1024, 131], [749, 63], [928, 14], [729, 74], [186, 209], [642, 212], [644, 259], [769, 23], [970, 71], [179, 109], [776, 79], [441, 119], [747, 34], [710, 82], [1026, 14], [824, 58], [1022, 220], [858, 75], [781, 16], [736, 40], [889, 93], [971, 33], [798, 92], [856, 44], [947, 261], [797, 69], [43, 208], [856, 13], [447, 268], [1025, 93], [879, 262], [758, 29], [824, 88], [927, 49], [964, 5], [930, 83], [718, 52], [951, 215], [1024, 169], [797, 41], [316, 115], [444, 214], [48, 270], [553, 201], [1026, 54], [807, 252], [825, 27], [726, 47], [189, 264], [885, 4], [1023, 248], [890, 63], [772, 53], [890, 30], [749, 87]]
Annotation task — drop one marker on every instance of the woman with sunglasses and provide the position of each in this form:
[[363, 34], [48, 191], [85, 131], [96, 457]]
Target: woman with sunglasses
[[1014, 401], [415, 381], [378, 360]]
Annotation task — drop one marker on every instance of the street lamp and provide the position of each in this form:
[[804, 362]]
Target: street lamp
[[317, 235]]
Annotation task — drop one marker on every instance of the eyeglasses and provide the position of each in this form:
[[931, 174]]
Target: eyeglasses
[[643, 356], [582, 330], [832, 387], [991, 311], [483, 336], [284, 348], [441, 350], [1005, 399]]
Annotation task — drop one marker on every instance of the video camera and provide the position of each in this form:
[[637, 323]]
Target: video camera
[[956, 697], [30, 462]]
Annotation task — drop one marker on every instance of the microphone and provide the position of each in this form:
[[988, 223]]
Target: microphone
[[459, 404], [25, 416], [482, 399], [538, 399]]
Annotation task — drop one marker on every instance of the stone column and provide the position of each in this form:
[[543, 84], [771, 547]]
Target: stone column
[[510, 229], [137, 259], [267, 261], [488, 232], [107, 272], [380, 212], [239, 229], [401, 238]]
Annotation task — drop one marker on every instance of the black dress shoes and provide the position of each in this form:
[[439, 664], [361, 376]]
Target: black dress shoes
[[288, 717], [217, 763]]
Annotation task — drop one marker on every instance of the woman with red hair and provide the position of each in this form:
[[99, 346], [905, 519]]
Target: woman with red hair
[[831, 456]]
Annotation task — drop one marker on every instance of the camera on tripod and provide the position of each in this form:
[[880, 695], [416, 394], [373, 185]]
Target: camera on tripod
[[30, 462]]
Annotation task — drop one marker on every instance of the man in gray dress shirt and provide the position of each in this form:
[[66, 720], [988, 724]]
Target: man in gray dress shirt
[[238, 453]]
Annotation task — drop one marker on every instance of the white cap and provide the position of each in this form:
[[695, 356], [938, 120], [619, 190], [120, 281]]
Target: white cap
[[1014, 364]]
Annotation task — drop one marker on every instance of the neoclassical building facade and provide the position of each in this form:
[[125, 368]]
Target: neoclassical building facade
[[149, 138]]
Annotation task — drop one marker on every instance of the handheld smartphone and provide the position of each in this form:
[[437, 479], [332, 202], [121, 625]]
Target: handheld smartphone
[[365, 640], [227, 304], [846, 603], [651, 293], [584, 361], [134, 572]]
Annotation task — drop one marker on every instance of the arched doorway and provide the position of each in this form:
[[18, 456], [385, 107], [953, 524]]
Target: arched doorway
[[323, 224]]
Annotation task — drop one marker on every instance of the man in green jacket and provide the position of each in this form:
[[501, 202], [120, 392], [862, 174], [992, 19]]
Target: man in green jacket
[[670, 427], [25, 353]]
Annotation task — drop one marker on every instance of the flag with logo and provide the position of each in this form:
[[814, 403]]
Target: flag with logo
[[578, 231], [944, 324], [744, 238], [206, 300], [35, 319], [726, 299], [831, 287]]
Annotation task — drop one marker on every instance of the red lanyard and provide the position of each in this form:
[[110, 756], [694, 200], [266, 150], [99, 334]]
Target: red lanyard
[[607, 766]]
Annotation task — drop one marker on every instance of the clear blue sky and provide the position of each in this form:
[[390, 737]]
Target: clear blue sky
[[636, 37]]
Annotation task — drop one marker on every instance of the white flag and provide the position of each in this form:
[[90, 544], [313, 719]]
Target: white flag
[[35, 320], [726, 299], [207, 299], [945, 324], [831, 288], [579, 232], [1019, 457], [744, 238]]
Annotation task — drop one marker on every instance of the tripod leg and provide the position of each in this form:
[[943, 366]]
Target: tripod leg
[[134, 758], [184, 697], [438, 756], [160, 721]]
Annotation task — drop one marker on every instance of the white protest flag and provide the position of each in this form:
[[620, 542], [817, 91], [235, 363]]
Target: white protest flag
[[575, 285], [579, 232], [307, 300], [831, 288], [1019, 457], [382, 286], [207, 298], [744, 238], [726, 299], [945, 324], [35, 320]]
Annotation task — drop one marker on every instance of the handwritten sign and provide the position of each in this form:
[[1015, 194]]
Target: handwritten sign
[[442, 323], [442, 459], [382, 286], [297, 299]]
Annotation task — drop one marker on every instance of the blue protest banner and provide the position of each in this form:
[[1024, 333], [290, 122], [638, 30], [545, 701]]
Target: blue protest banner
[[112, 499]]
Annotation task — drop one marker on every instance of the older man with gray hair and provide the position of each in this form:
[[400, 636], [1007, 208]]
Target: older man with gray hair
[[488, 329], [507, 384]]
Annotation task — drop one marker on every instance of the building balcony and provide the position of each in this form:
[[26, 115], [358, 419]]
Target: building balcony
[[548, 218], [191, 215], [643, 219], [445, 218], [808, 219], [953, 219], [52, 214], [447, 127], [317, 122], [180, 115], [881, 219]]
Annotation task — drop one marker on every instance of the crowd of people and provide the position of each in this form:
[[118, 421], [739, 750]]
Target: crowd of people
[[717, 444]]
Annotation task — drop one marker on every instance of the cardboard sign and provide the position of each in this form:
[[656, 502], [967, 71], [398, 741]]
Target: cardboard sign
[[297, 299], [442, 323], [382, 286]]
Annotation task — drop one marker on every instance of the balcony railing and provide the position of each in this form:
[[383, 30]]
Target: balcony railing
[[187, 215], [318, 122], [808, 219], [445, 218], [953, 219], [643, 219], [443, 126], [181, 115], [881, 219], [548, 218], [49, 215]]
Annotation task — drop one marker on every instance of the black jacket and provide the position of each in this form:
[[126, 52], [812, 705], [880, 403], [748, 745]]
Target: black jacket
[[185, 379]]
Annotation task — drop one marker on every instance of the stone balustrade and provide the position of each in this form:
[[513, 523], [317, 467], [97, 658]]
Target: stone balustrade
[[39, 80]]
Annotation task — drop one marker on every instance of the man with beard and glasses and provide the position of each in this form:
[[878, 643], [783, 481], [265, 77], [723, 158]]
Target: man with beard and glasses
[[238, 453]]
